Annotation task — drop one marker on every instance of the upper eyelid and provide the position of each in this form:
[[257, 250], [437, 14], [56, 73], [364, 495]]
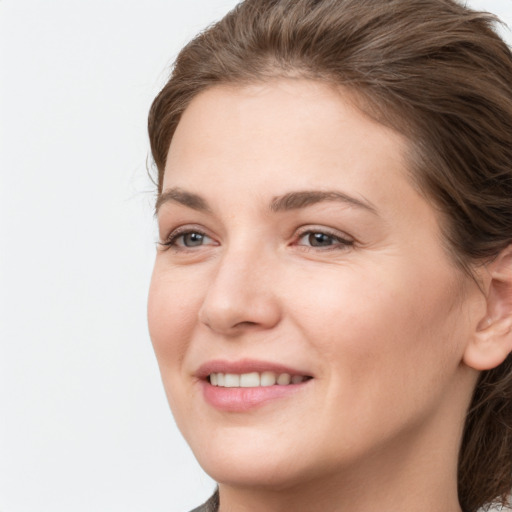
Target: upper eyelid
[[180, 234], [335, 233], [185, 228]]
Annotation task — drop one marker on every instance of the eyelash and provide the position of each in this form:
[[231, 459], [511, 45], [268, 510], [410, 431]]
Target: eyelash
[[340, 243]]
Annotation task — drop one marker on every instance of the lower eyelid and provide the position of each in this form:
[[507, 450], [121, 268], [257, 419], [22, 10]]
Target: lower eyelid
[[337, 246]]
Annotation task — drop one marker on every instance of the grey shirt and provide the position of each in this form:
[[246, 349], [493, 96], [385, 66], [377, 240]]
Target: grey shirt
[[212, 505]]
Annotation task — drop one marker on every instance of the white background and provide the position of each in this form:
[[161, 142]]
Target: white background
[[84, 424]]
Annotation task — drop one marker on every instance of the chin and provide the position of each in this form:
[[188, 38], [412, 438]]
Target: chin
[[262, 473], [251, 464]]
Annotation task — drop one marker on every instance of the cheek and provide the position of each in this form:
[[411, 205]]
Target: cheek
[[388, 349], [172, 316], [376, 329]]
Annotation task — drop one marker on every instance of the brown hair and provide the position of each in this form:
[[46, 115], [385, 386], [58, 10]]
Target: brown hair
[[434, 71]]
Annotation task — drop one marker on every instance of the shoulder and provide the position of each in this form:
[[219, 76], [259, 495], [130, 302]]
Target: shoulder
[[212, 505]]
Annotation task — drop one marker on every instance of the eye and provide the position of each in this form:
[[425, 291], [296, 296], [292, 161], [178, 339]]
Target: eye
[[192, 239], [322, 239], [319, 239], [187, 239]]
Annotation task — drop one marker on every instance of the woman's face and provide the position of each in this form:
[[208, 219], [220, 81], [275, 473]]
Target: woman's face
[[296, 249]]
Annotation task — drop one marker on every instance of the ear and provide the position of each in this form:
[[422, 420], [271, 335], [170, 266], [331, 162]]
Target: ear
[[492, 340]]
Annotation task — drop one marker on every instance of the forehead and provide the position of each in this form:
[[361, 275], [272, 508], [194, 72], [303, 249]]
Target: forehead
[[298, 126]]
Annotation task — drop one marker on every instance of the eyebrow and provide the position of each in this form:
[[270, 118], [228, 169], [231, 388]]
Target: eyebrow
[[177, 195], [286, 202], [301, 199]]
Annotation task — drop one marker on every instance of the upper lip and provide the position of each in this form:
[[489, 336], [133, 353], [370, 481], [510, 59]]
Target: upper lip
[[245, 366]]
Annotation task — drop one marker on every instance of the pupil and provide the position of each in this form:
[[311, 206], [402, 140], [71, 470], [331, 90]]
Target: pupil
[[192, 239], [319, 239]]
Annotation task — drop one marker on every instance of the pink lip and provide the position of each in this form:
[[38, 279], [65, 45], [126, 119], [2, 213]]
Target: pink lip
[[245, 399]]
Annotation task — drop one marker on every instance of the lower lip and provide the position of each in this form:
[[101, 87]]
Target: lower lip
[[245, 399]]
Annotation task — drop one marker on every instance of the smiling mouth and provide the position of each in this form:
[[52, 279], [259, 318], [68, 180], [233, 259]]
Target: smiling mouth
[[254, 379]]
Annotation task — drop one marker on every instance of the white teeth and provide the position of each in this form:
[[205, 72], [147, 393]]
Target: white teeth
[[254, 379], [250, 380], [268, 378], [284, 379], [231, 380]]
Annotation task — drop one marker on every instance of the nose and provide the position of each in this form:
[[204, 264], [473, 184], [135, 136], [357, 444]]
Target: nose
[[241, 295]]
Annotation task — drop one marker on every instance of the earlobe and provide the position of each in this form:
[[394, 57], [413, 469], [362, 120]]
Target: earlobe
[[492, 340]]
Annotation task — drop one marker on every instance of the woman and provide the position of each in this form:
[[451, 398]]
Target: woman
[[331, 303]]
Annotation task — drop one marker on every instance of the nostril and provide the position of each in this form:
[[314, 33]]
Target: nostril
[[245, 324]]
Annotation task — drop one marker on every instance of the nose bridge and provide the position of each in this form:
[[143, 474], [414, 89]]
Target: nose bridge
[[240, 293]]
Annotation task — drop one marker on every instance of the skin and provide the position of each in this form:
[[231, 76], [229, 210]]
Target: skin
[[379, 315]]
